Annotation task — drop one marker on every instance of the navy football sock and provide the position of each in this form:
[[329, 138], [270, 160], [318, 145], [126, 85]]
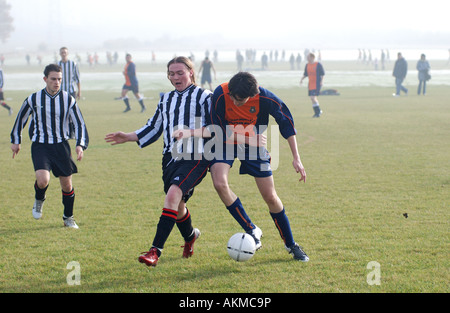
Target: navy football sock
[[239, 214], [282, 223]]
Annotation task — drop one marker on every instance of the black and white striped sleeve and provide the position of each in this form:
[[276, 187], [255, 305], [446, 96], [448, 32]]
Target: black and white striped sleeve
[[81, 133], [21, 121], [152, 130]]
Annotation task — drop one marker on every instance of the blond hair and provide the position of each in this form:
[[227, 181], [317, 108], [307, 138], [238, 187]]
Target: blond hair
[[183, 60]]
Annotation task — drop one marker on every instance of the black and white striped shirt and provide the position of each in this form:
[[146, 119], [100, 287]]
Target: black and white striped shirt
[[178, 110], [51, 116], [71, 76]]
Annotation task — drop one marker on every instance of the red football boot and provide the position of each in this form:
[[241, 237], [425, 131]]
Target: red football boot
[[149, 258], [188, 250]]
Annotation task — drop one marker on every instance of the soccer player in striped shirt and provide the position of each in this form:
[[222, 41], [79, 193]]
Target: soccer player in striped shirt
[[315, 72], [2, 99], [71, 74], [186, 107], [51, 111]]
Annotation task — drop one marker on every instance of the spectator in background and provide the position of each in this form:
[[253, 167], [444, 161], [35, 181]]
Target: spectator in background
[[423, 67], [400, 71]]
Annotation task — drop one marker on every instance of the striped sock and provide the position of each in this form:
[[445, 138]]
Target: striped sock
[[239, 214], [68, 200], [185, 226], [282, 223], [165, 226]]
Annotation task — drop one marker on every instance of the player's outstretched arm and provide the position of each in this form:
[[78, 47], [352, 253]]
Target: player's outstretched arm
[[120, 138], [297, 163]]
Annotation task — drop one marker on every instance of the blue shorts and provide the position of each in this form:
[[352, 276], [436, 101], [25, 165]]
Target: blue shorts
[[314, 92], [253, 163], [133, 88]]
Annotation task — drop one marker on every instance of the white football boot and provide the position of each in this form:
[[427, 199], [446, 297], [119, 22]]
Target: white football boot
[[70, 223], [37, 209], [257, 234]]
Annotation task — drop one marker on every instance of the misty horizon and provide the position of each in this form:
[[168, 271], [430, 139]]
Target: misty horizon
[[102, 25]]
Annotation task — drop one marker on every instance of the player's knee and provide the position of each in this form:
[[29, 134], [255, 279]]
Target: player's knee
[[42, 183], [173, 198], [271, 199], [221, 185]]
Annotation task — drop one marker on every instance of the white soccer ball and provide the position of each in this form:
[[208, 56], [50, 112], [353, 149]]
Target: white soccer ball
[[241, 247]]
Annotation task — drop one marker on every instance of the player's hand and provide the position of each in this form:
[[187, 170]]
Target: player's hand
[[80, 153], [117, 138], [182, 133], [298, 166], [15, 149]]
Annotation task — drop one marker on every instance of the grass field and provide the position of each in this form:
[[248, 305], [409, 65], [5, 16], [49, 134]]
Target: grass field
[[370, 159]]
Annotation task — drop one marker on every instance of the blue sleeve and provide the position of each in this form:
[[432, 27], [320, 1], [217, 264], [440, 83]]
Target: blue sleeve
[[320, 70], [280, 112], [217, 121]]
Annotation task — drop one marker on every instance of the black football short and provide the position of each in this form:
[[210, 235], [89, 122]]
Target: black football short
[[54, 158], [185, 174]]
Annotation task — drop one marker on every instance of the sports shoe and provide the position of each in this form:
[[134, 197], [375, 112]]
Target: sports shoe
[[298, 253], [149, 258], [188, 250], [37, 209], [127, 110], [257, 234], [70, 223], [11, 111]]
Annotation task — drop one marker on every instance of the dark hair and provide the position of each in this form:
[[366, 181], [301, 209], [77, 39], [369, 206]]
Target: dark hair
[[183, 60], [52, 68], [243, 85]]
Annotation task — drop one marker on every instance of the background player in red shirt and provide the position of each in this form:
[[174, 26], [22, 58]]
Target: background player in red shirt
[[315, 72]]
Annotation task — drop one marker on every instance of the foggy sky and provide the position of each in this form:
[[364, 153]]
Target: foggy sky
[[263, 23]]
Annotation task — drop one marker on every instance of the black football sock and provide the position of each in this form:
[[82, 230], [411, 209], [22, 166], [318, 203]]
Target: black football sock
[[68, 200], [127, 102], [185, 226], [165, 226], [39, 193], [141, 102]]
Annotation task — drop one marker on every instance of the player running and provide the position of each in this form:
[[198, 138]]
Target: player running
[[183, 107], [315, 72], [131, 84], [240, 110], [52, 110]]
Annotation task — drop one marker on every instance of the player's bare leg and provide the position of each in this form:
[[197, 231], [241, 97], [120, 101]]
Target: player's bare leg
[[219, 174], [266, 187]]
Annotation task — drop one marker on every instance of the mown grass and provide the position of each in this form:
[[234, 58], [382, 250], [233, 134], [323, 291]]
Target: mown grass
[[370, 159]]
